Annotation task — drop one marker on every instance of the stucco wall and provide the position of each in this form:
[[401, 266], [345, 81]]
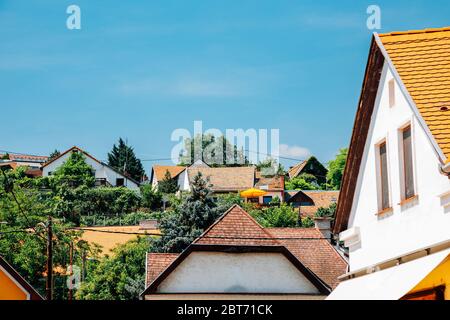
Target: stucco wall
[[423, 221], [217, 272]]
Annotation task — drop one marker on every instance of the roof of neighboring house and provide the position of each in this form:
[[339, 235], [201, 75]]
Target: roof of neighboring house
[[275, 183], [160, 171], [422, 59], [110, 237], [310, 247], [157, 263], [34, 295], [297, 169], [237, 229], [420, 62], [226, 179], [27, 158], [75, 148], [319, 198]]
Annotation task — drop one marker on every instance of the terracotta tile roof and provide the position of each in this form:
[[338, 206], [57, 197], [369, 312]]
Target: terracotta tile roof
[[316, 253], [226, 179], [318, 199], [236, 227], [422, 59], [297, 169], [157, 263], [160, 171], [28, 158], [270, 183]]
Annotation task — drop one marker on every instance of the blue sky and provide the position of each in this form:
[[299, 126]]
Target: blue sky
[[140, 69]]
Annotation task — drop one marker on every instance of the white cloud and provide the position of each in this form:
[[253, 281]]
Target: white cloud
[[294, 152]]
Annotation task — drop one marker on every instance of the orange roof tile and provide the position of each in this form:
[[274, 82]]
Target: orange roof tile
[[157, 263], [226, 179], [236, 227], [160, 171], [422, 59], [297, 169], [316, 253]]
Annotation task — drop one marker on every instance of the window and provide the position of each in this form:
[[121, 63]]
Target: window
[[408, 172], [120, 182], [391, 90], [267, 199], [383, 177]]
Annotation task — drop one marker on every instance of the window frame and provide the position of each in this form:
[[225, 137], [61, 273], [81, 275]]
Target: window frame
[[402, 164], [379, 177]]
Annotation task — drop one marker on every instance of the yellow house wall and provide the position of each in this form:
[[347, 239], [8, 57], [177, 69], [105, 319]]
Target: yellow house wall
[[9, 290], [439, 276]]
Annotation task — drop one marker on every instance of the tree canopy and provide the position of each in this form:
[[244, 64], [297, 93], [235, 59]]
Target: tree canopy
[[123, 159], [168, 185], [336, 169], [189, 219], [214, 151]]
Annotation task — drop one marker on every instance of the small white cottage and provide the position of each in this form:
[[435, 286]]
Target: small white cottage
[[104, 174]]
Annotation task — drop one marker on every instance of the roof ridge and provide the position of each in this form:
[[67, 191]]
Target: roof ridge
[[418, 31], [243, 212]]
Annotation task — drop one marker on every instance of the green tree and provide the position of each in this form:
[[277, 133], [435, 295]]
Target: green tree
[[123, 159], [189, 219], [23, 217], [73, 173], [326, 212], [301, 182], [270, 167], [307, 222], [336, 169], [120, 276], [151, 197], [53, 155], [168, 185], [276, 217], [214, 151]]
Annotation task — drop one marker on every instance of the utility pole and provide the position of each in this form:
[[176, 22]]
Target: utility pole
[[49, 283], [71, 270]]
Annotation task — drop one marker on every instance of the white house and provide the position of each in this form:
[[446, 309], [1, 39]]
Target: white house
[[238, 259], [394, 206], [104, 174]]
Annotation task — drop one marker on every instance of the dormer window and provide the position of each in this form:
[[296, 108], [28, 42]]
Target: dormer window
[[391, 89]]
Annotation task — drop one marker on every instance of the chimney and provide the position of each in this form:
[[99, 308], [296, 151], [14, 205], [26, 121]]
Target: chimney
[[324, 226]]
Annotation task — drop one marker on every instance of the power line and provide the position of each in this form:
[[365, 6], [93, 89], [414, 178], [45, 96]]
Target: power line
[[19, 206]]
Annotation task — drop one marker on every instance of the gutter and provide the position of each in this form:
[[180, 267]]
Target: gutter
[[445, 168]]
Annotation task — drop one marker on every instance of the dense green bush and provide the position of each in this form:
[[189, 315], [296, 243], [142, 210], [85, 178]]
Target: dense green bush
[[129, 219], [276, 217]]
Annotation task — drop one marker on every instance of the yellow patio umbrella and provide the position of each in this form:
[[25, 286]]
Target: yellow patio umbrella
[[252, 193]]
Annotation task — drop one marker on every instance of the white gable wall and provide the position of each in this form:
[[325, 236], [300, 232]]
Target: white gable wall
[[101, 171], [409, 227], [219, 272]]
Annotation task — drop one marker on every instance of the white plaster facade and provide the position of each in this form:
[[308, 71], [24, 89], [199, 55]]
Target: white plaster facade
[[373, 238], [219, 272]]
